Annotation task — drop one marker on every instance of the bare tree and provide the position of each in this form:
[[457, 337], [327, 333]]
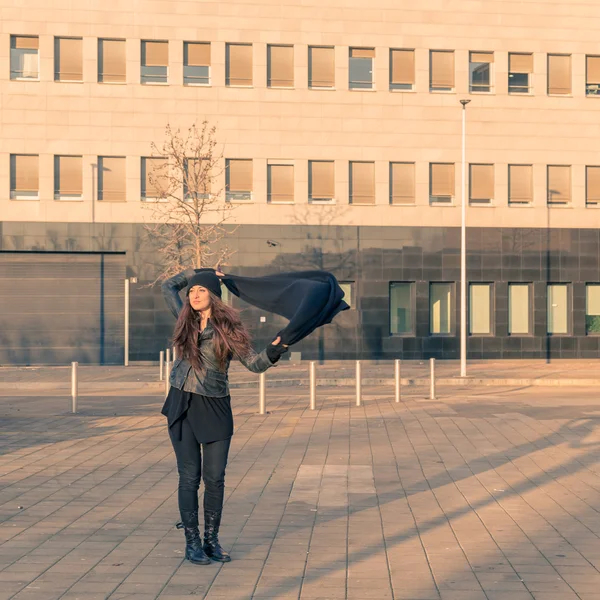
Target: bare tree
[[189, 216]]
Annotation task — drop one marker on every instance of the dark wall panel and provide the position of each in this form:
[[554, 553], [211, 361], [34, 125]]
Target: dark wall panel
[[61, 307]]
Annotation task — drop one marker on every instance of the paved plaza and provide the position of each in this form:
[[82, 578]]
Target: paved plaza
[[485, 493]]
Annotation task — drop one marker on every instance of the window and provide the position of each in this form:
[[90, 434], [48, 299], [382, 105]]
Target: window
[[68, 176], [520, 67], [592, 75], [441, 71], [24, 176], [321, 67], [440, 308], [239, 65], [480, 309], [519, 309], [321, 180], [196, 63], [111, 178], [481, 184], [197, 179], [558, 309], [280, 183], [402, 183], [68, 59], [155, 62], [401, 308], [480, 71], [361, 68], [238, 184], [559, 74], [154, 183], [362, 183], [226, 295], [441, 182], [280, 66], [592, 186], [24, 57], [111, 61], [592, 309], [402, 69], [520, 184], [559, 184], [348, 289]]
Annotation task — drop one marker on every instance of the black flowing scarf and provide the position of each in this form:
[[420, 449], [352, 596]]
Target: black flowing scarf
[[308, 299]]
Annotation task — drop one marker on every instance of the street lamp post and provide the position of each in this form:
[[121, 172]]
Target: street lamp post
[[463, 248]]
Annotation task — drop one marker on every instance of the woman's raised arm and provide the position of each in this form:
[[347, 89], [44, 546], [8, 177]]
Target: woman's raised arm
[[171, 288]]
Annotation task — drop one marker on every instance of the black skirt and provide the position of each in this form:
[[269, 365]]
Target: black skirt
[[211, 419]]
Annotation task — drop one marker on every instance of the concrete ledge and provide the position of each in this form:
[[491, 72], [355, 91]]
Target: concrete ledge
[[93, 387]]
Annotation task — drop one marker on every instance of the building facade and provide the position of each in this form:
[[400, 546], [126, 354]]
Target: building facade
[[340, 131]]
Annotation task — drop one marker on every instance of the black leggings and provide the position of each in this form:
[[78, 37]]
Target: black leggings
[[192, 463]]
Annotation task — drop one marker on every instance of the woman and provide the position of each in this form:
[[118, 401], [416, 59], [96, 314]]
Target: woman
[[208, 334]]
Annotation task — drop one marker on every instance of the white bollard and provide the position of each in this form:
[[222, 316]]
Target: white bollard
[[167, 370], [432, 376], [161, 362], [358, 382], [74, 386], [313, 385], [167, 375], [174, 354], [262, 400], [397, 374], [126, 341]]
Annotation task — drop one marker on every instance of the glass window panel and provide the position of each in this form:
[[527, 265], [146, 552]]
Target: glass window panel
[[280, 183], [238, 179], [361, 73], [154, 74], [518, 83], [402, 69], [518, 309], [480, 309], [401, 308], [440, 308], [112, 66], [321, 67], [592, 312], [558, 309], [480, 71], [24, 58], [238, 65], [592, 86], [111, 178], [226, 295], [196, 75], [441, 70], [348, 289]]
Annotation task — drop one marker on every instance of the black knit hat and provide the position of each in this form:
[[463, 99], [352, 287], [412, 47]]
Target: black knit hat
[[206, 278]]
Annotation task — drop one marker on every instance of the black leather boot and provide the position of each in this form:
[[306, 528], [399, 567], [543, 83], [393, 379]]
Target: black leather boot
[[212, 548], [193, 545]]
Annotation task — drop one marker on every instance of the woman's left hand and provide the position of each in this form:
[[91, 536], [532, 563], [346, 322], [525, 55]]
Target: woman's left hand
[[277, 341]]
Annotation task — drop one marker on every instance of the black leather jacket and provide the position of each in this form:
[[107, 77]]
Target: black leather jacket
[[214, 382]]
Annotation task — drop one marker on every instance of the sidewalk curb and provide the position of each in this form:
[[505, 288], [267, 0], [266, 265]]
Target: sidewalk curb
[[159, 386]]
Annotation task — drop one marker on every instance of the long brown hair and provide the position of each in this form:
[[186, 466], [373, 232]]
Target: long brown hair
[[230, 334]]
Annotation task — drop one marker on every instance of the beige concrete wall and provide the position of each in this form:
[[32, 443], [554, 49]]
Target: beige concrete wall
[[94, 119]]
